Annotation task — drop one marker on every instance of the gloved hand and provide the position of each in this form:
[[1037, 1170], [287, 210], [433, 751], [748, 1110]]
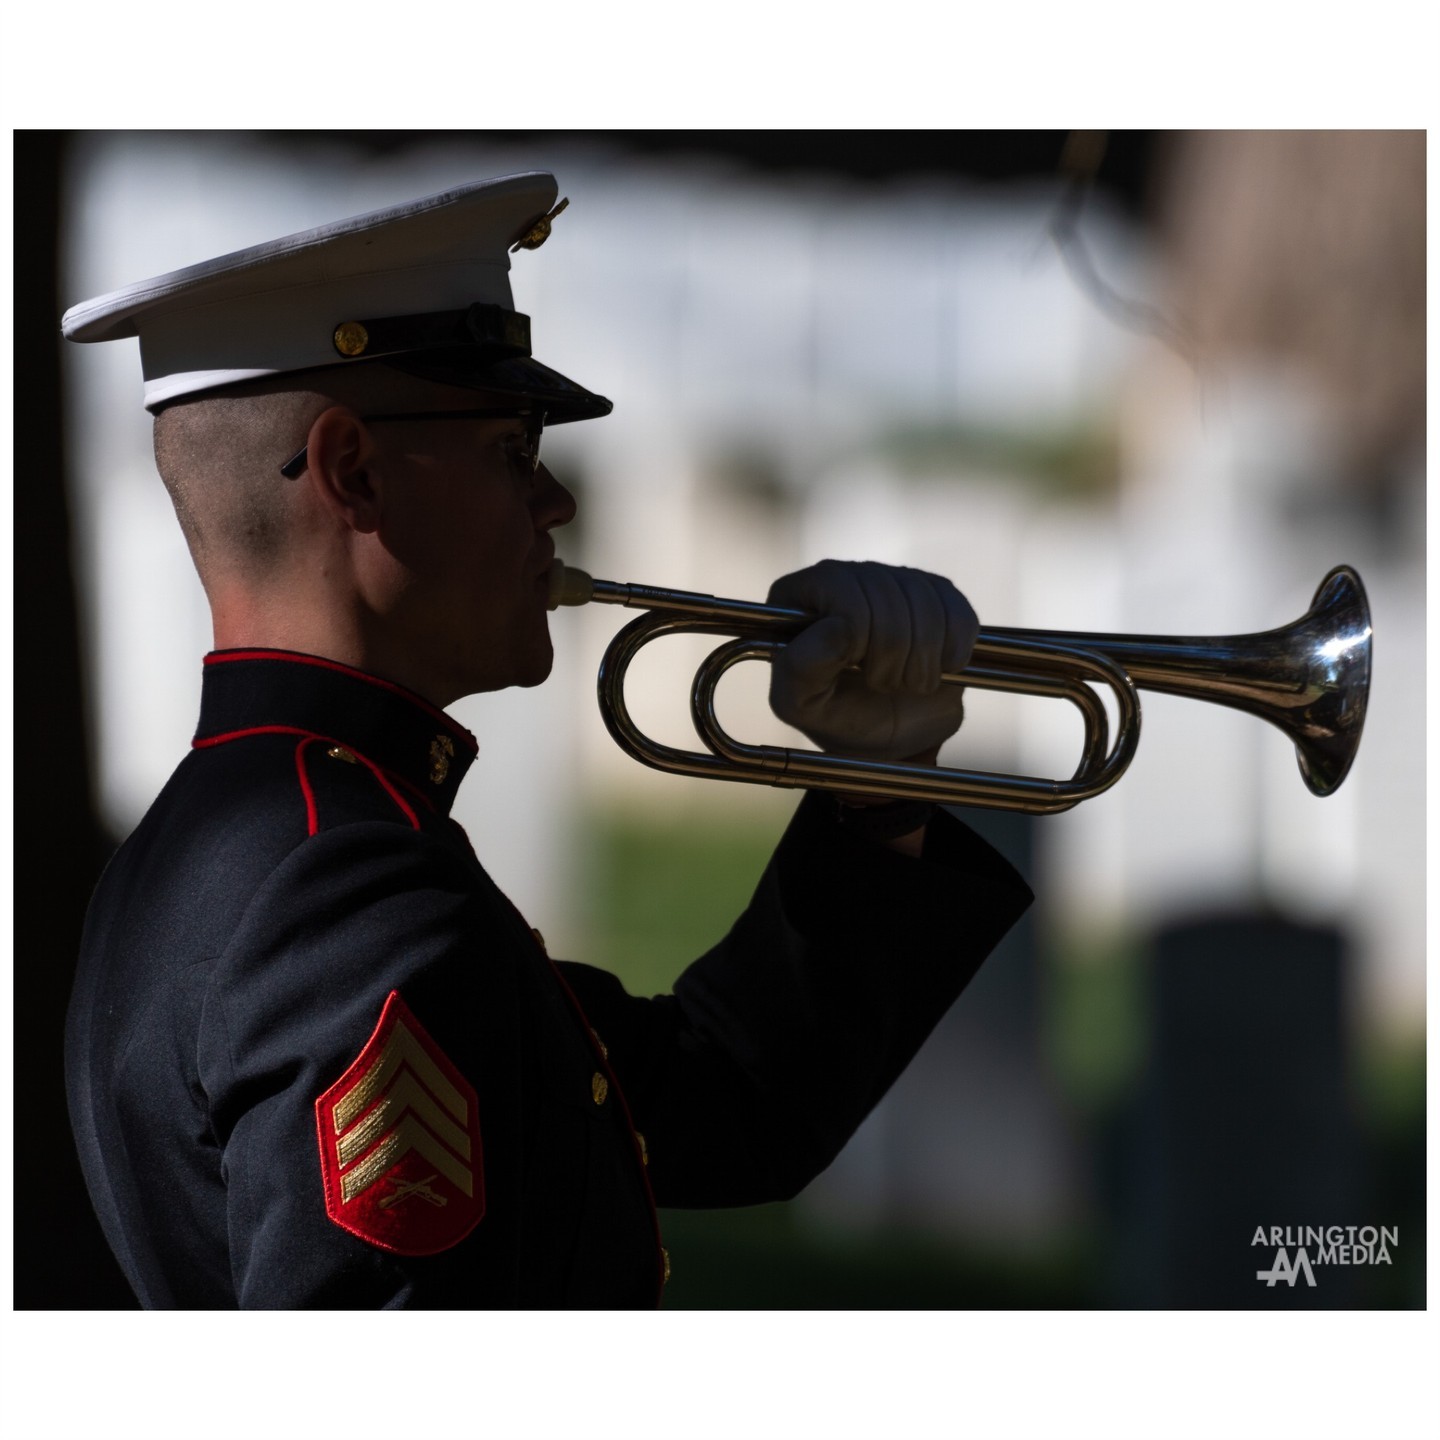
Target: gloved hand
[[903, 628]]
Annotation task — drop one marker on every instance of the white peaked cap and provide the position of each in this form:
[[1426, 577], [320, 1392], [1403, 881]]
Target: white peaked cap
[[424, 286]]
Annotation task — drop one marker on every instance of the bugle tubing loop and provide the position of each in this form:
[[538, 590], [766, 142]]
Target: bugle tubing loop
[[1310, 679]]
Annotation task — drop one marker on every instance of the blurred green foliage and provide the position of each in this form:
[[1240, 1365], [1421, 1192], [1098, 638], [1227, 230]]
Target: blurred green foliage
[[1078, 460], [1390, 1079], [1095, 1022], [1390, 1087], [661, 893], [770, 1257]]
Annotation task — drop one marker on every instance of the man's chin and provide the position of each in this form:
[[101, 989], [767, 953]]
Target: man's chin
[[523, 673], [535, 669]]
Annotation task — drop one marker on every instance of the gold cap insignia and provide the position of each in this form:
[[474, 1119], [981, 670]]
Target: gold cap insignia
[[442, 751], [351, 338], [400, 1142], [539, 232]]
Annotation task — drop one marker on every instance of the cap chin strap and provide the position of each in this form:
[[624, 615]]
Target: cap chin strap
[[491, 332]]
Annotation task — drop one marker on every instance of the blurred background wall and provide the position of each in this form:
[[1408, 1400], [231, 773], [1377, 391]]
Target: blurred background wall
[[1136, 382]]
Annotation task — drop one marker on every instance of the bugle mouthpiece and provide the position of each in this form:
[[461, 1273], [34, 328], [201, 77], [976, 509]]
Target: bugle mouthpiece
[[569, 586]]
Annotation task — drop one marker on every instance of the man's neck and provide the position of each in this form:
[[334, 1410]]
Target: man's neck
[[334, 635]]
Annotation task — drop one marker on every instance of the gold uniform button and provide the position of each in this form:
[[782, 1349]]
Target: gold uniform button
[[599, 1088], [644, 1153], [339, 752], [665, 1257], [351, 339], [600, 1044]]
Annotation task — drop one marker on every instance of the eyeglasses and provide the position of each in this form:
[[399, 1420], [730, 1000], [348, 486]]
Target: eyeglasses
[[523, 451]]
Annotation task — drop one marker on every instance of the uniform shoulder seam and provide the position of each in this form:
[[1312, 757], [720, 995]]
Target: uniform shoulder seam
[[353, 757]]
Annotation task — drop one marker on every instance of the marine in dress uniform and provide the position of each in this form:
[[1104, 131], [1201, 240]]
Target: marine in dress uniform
[[314, 1056]]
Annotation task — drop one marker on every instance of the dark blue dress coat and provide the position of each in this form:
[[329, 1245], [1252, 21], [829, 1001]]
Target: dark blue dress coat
[[315, 1057]]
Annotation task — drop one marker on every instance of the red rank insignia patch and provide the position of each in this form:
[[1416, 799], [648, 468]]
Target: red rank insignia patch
[[400, 1142]]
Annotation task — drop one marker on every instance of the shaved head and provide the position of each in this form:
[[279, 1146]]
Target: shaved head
[[212, 455], [219, 456]]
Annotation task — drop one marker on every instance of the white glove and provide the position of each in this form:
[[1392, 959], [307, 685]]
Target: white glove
[[903, 628]]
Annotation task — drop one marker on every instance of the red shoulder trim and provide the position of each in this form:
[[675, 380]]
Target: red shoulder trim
[[309, 737], [399, 1132], [312, 818]]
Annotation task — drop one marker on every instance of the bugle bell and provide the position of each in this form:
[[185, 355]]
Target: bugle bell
[[1311, 679]]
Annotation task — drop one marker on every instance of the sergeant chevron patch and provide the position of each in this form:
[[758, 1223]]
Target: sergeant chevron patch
[[400, 1142]]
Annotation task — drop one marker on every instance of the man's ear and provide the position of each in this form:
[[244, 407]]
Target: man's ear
[[341, 467]]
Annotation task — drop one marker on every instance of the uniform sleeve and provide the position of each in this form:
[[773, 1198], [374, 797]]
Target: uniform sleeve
[[350, 916], [776, 1044]]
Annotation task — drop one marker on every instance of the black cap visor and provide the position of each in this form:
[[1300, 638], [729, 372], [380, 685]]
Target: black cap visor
[[468, 366]]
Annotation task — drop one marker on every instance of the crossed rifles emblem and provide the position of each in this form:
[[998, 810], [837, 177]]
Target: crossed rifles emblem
[[404, 1189]]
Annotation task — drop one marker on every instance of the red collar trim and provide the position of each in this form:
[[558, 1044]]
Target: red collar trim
[[220, 657]]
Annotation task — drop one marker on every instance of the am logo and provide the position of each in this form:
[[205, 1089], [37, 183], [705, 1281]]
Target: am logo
[[1288, 1271]]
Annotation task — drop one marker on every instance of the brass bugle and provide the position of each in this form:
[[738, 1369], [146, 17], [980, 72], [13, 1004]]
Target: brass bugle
[[1311, 679]]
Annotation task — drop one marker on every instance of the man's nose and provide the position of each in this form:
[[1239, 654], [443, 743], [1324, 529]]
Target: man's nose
[[554, 505]]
